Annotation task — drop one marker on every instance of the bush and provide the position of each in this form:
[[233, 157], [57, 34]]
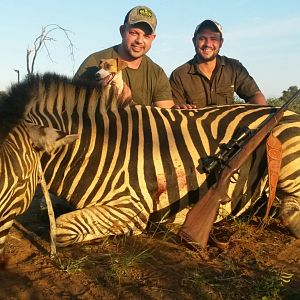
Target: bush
[[295, 106]]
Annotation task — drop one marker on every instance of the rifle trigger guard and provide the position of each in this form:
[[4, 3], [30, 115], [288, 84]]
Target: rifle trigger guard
[[234, 179]]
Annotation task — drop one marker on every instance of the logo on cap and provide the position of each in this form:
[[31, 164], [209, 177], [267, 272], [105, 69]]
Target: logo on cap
[[145, 12]]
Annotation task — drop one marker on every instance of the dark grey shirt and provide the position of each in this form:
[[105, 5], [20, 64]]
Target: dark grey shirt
[[190, 85]]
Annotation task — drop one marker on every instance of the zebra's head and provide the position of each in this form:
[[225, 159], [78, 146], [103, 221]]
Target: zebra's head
[[47, 138]]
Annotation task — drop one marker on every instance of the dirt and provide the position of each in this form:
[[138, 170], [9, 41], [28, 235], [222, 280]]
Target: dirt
[[256, 263]]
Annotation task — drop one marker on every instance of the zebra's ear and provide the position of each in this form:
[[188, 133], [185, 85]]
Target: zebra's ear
[[47, 138]]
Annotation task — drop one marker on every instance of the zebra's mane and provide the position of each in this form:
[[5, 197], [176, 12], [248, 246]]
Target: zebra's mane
[[49, 91], [16, 102], [12, 107]]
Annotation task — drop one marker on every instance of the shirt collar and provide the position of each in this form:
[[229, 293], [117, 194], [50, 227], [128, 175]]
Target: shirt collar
[[221, 60], [194, 63]]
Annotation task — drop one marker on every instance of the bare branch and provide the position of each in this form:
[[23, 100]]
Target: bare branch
[[42, 41]]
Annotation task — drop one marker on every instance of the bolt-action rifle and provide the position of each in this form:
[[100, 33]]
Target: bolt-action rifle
[[227, 162]]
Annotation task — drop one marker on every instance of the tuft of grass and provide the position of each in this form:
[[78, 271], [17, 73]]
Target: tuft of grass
[[241, 225], [120, 263], [123, 257], [73, 265], [166, 232]]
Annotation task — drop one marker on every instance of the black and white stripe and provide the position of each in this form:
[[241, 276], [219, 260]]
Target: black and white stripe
[[132, 163], [19, 177]]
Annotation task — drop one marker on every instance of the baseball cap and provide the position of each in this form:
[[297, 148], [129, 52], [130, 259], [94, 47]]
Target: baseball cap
[[141, 14], [209, 23]]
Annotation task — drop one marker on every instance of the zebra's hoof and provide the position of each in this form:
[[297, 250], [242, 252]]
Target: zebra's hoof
[[292, 221]]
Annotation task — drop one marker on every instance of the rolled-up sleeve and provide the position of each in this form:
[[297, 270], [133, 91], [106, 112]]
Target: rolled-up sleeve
[[162, 89], [245, 85]]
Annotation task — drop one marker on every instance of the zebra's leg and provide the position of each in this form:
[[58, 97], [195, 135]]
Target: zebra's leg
[[290, 214], [100, 221]]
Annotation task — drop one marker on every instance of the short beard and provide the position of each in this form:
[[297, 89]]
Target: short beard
[[135, 55], [200, 58]]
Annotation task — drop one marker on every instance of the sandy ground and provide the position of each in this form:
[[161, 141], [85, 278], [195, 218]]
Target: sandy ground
[[256, 264]]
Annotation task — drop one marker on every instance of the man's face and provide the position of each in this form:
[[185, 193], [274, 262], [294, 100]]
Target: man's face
[[207, 44], [136, 39]]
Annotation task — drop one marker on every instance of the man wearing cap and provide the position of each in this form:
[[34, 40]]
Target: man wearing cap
[[211, 79], [148, 82]]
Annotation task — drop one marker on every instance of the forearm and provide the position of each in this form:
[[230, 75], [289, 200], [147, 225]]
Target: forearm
[[171, 104], [164, 103], [258, 98]]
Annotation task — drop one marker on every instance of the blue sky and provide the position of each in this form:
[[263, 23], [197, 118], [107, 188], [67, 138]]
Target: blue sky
[[263, 35]]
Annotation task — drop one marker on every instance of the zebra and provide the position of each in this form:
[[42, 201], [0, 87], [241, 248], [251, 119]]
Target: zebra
[[21, 146], [131, 164]]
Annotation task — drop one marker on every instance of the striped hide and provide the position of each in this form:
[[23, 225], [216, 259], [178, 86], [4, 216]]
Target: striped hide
[[131, 164]]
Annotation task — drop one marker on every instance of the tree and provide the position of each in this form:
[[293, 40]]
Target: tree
[[286, 95], [41, 41]]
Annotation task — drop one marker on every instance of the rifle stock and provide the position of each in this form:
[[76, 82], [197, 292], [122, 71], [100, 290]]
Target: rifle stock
[[200, 218]]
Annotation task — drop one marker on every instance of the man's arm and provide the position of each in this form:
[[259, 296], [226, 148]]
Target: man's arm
[[88, 68], [258, 98], [163, 96], [164, 103], [246, 87], [177, 90], [171, 104]]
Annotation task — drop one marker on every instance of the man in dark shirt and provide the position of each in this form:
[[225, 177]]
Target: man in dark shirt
[[147, 81], [211, 79]]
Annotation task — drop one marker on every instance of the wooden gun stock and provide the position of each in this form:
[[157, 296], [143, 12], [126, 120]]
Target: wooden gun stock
[[200, 218]]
